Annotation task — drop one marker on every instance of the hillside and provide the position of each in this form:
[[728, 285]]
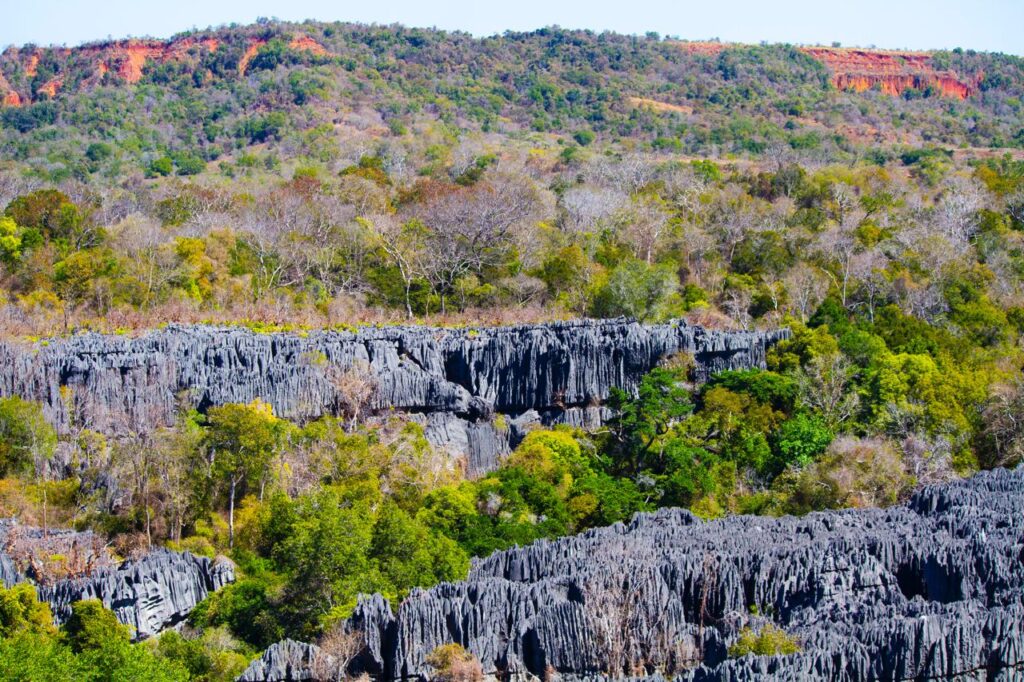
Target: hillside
[[208, 94]]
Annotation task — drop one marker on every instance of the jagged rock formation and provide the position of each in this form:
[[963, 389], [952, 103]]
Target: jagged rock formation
[[151, 593], [284, 661], [932, 589], [890, 71], [454, 381]]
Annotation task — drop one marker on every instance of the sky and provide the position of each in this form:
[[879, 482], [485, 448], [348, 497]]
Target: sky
[[993, 25]]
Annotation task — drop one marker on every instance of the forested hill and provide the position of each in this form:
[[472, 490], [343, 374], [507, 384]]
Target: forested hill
[[204, 96]]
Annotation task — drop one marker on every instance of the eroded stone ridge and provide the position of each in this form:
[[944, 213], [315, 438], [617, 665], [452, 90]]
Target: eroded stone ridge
[[932, 589], [285, 661], [150, 594], [452, 380]]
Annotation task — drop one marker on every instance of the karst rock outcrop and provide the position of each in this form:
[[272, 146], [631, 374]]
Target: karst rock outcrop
[[151, 593], [453, 381], [929, 590]]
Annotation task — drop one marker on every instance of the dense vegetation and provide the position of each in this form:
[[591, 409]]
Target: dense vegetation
[[231, 107], [501, 179]]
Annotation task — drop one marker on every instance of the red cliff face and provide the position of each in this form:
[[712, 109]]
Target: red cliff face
[[892, 72], [8, 97], [127, 59], [250, 52]]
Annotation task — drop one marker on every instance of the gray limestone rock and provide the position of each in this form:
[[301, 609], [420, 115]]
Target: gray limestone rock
[[150, 594], [285, 661], [932, 589], [456, 381]]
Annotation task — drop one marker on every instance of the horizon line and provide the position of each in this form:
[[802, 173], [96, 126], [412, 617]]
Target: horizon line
[[109, 39]]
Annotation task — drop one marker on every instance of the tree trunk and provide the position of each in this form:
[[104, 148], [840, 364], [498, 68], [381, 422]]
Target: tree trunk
[[231, 515]]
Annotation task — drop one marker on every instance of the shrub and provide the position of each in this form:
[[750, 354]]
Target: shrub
[[771, 640], [451, 662]]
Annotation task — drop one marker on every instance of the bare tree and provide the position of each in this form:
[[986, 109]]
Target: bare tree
[[825, 386], [957, 210], [1015, 206], [646, 222], [806, 286], [588, 209], [866, 269], [1003, 416], [471, 229], [736, 215], [737, 306], [403, 243], [837, 247], [141, 463], [629, 174], [356, 387], [337, 648]]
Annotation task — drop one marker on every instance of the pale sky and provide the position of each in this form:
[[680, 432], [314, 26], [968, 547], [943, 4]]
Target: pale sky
[[993, 25]]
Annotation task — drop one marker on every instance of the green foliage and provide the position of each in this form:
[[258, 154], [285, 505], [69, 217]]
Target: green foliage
[[661, 400], [264, 128], [205, 658], [243, 439], [25, 436], [160, 167], [91, 627], [48, 211], [584, 137], [799, 440], [636, 289], [21, 612], [11, 242]]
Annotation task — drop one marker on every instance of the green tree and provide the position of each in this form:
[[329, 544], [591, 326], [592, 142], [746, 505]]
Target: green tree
[[91, 626], [26, 439], [22, 612], [409, 555], [161, 166], [325, 551], [10, 241], [48, 211], [636, 289], [799, 441], [242, 441], [661, 400], [770, 640]]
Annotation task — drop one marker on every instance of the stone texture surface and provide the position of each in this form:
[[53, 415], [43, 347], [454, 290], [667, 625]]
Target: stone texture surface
[[284, 661], [453, 380], [929, 590], [151, 593]]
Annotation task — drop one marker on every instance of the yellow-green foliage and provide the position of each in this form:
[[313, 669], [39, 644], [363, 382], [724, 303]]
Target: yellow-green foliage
[[453, 663], [770, 640], [22, 612]]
